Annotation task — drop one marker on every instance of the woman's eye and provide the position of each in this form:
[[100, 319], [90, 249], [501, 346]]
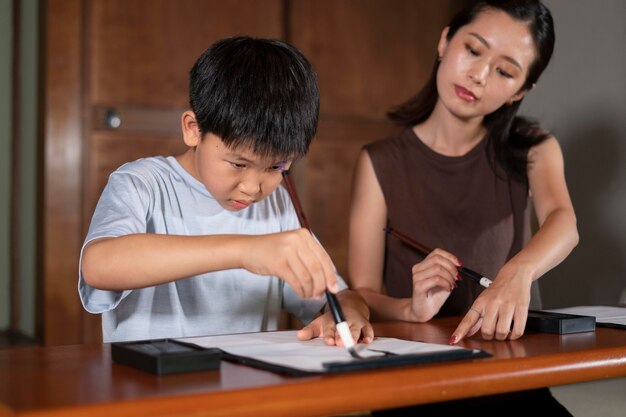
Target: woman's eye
[[471, 50], [504, 73]]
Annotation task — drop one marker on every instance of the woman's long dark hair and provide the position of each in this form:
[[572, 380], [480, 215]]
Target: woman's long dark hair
[[509, 136]]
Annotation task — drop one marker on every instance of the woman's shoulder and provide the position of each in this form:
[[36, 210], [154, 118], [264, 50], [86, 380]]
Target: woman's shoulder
[[547, 149], [395, 142]]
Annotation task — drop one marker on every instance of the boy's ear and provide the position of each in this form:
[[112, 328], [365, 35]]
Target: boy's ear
[[443, 42], [191, 130]]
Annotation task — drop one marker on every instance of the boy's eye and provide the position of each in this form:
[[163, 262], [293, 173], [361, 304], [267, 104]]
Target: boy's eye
[[279, 166], [237, 165]]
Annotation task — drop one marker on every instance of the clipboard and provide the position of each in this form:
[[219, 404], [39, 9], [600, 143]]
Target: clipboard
[[365, 364], [281, 352]]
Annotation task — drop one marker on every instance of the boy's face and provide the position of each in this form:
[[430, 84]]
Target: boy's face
[[235, 177]]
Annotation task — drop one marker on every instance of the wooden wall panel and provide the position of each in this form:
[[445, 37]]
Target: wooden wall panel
[[328, 180], [370, 55], [61, 309], [141, 50]]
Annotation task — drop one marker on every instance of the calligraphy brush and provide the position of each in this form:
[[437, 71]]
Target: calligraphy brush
[[466, 272], [335, 308]]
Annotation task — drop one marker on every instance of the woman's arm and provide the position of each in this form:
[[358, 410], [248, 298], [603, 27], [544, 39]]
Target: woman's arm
[[508, 298], [433, 278]]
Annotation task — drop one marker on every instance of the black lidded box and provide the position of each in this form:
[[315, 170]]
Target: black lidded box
[[559, 323], [165, 356]]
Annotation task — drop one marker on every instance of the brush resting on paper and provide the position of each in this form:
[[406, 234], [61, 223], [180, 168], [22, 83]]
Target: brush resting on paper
[[473, 275], [333, 304]]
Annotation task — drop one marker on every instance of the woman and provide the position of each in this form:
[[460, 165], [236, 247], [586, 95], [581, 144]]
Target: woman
[[460, 178]]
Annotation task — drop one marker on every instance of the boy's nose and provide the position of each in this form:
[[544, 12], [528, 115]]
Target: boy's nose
[[251, 185]]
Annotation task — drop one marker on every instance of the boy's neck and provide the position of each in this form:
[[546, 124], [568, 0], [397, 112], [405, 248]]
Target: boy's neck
[[186, 161]]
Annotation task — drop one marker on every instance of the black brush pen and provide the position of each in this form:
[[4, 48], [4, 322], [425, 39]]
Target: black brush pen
[[333, 304], [466, 272]]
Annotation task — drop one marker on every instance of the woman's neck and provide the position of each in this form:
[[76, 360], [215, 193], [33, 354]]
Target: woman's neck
[[448, 134]]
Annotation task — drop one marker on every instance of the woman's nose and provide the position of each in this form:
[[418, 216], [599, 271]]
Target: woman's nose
[[478, 74]]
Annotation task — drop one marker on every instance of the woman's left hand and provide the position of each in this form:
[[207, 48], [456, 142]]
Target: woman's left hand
[[500, 311]]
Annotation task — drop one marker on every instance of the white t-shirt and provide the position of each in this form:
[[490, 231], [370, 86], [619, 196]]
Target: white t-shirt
[[157, 195]]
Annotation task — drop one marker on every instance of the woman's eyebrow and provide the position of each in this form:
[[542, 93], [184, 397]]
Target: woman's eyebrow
[[488, 46]]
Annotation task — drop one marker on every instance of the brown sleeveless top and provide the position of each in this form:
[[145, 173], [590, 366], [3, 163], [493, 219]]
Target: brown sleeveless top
[[455, 203]]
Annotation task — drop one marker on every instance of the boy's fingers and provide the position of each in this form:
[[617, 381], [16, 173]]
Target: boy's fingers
[[331, 337], [292, 279], [322, 271], [310, 331], [367, 333], [330, 277], [302, 272]]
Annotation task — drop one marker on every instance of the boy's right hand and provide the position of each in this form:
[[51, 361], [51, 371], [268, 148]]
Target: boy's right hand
[[295, 257]]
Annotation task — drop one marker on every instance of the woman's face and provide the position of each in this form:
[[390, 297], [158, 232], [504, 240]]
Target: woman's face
[[484, 65]]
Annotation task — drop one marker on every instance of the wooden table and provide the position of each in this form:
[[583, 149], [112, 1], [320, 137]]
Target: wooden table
[[81, 380]]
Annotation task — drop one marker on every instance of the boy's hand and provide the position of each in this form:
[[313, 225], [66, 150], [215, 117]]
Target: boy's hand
[[356, 314], [295, 257]]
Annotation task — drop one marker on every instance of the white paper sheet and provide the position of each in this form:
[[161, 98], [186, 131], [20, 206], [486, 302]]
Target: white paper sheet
[[284, 349], [603, 314]]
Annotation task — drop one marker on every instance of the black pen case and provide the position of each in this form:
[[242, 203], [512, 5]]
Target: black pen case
[[165, 356], [559, 323]]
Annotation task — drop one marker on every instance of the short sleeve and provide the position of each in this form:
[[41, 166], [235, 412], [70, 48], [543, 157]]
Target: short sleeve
[[122, 209]]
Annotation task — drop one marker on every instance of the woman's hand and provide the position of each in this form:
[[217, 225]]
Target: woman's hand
[[434, 278], [500, 312]]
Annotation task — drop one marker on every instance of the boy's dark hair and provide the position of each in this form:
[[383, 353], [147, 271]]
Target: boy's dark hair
[[509, 136], [260, 93]]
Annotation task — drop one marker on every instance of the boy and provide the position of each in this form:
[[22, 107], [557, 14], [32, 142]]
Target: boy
[[206, 242]]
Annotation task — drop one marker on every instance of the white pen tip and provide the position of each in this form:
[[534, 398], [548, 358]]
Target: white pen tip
[[344, 333], [485, 282]]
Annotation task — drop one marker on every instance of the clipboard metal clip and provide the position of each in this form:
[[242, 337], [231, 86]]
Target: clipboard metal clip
[[384, 352]]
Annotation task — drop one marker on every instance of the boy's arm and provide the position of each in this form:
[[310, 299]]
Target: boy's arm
[[142, 260], [356, 313]]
